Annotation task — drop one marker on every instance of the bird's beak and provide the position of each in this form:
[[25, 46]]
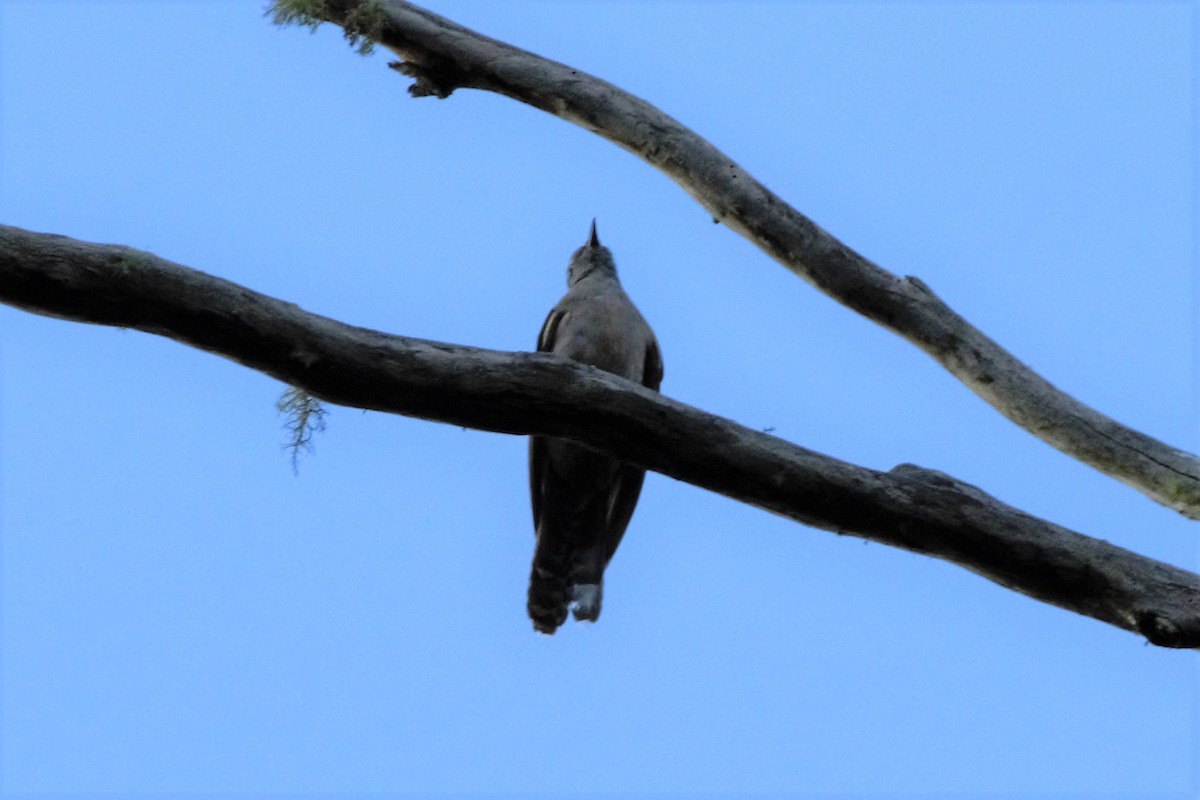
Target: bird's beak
[[593, 241]]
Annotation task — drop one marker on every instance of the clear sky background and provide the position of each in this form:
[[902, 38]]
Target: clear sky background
[[181, 613]]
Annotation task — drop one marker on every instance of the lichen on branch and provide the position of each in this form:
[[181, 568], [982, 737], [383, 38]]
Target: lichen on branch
[[305, 418]]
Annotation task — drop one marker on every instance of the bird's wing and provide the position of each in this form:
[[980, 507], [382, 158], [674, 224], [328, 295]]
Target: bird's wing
[[628, 484], [545, 342], [537, 472], [537, 445], [622, 499], [652, 371]]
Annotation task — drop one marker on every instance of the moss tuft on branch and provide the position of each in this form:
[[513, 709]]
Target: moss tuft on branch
[[306, 13], [362, 26]]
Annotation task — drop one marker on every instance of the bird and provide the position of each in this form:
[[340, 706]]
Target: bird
[[582, 499]]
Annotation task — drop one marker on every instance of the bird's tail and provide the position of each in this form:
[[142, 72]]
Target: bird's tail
[[549, 587], [564, 576], [585, 601]]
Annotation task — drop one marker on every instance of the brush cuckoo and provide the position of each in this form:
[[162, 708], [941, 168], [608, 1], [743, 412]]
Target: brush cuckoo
[[582, 499]]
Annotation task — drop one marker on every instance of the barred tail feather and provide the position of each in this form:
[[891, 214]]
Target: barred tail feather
[[549, 589], [585, 601]]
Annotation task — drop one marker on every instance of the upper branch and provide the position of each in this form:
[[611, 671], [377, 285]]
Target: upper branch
[[443, 56], [539, 393]]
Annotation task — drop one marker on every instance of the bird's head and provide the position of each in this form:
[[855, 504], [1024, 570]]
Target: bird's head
[[592, 258]]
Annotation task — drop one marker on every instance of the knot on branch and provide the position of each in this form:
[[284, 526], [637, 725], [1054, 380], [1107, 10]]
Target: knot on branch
[[1164, 632], [919, 285], [939, 480], [436, 78]]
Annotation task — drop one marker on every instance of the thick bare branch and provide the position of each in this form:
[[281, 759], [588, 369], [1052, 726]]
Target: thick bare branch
[[443, 56], [538, 393]]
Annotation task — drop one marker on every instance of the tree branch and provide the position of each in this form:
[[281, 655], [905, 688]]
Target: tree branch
[[538, 393], [442, 56]]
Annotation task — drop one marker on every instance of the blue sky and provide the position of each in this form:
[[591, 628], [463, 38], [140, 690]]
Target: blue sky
[[181, 613]]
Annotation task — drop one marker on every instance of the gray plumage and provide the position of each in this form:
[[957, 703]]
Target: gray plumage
[[582, 500]]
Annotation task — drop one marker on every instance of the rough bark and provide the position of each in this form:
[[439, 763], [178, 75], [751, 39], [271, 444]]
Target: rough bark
[[538, 393], [442, 56]]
